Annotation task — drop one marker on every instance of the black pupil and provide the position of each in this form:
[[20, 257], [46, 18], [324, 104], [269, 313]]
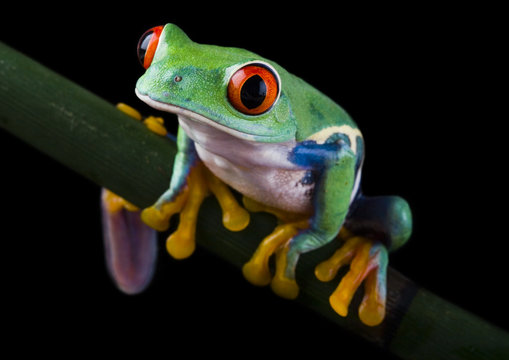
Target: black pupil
[[143, 45], [253, 92]]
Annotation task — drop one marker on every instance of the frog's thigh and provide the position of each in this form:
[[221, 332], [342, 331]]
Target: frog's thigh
[[387, 218]]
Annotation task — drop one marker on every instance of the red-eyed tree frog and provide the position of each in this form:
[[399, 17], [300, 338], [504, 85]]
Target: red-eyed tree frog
[[246, 123]]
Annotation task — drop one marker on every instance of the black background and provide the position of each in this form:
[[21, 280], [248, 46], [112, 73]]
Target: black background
[[423, 84]]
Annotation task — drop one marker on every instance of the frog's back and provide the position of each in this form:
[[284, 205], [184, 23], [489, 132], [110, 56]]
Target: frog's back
[[321, 119], [313, 110]]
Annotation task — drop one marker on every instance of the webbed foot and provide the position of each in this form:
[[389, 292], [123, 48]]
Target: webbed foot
[[368, 262], [154, 124], [181, 243], [235, 217], [199, 184], [256, 270], [114, 203]]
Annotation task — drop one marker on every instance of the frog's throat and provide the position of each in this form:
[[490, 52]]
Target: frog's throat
[[174, 109]]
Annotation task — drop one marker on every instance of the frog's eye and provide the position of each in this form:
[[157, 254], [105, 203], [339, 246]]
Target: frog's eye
[[148, 44], [253, 89]]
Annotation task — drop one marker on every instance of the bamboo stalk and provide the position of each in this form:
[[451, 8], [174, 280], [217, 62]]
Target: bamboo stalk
[[89, 135]]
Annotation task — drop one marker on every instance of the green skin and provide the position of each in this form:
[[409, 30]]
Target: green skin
[[312, 135]]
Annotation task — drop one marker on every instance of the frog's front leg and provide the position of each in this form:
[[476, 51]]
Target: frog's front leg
[[334, 168], [190, 184]]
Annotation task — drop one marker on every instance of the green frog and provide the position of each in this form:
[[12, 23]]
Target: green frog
[[245, 123]]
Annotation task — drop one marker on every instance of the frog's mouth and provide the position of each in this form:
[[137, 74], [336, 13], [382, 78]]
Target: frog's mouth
[[180, 111]]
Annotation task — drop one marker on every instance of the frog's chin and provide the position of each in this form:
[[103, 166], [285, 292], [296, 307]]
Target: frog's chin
[[180, 111]]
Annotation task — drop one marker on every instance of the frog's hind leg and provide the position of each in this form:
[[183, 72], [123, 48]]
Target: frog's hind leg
[[334, 164], [374, 226], [368, 262], [130, 245]]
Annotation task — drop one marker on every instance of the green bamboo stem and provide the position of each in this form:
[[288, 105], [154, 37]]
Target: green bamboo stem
[[89, 135]]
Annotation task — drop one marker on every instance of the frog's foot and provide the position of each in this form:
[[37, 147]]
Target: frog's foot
[[158, 216], [154, 124], [235, 217], [368, 261], [181, 243], [114, 203], [200, 182], [256, 270]]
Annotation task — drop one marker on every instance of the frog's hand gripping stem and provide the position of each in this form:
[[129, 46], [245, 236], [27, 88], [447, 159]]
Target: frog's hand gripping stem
[[190, 184]]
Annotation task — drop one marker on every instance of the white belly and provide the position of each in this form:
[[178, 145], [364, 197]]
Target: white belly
[[260, 171], [279, 188]]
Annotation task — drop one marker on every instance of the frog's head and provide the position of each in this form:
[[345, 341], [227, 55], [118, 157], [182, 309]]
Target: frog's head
[[231, 89]]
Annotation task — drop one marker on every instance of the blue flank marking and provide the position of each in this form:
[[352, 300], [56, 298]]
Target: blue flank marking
[[309, 154]]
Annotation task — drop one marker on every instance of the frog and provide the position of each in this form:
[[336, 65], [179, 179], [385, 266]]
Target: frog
[[247, 126]]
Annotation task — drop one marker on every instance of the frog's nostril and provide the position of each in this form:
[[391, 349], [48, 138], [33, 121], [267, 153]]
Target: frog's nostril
[[178, 78]]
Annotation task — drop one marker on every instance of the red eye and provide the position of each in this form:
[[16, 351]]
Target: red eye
[[148, 44], [253, 89]]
